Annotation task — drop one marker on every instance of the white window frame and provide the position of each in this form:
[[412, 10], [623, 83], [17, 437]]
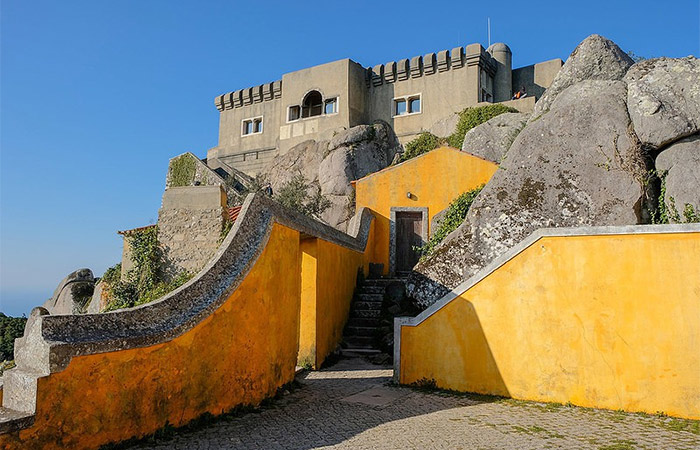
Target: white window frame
[[337, 106], [407, 99], [323, 106], [252, 121]]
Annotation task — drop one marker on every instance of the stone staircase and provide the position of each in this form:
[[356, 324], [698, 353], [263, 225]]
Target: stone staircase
[[362, 329]]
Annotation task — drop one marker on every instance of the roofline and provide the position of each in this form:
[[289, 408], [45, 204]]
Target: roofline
[[446, 147]]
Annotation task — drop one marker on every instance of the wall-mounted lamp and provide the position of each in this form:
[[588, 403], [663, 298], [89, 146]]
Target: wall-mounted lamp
[[409, 195]]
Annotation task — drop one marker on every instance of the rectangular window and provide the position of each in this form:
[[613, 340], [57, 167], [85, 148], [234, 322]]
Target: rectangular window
[[404, 106], [252, 126], [399, 107], [294, 113], [414, 105], [331, 106]]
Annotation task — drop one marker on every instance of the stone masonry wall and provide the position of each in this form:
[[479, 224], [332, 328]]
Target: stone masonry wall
[[189, 226]]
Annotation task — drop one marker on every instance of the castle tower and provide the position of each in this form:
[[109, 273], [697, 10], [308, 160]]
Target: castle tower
[[503, 81]]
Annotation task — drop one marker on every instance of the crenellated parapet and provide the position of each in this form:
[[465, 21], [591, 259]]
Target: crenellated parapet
[[430, 64], [244, 97]]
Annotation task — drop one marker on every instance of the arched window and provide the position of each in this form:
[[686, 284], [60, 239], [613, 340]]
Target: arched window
[[312, 104]]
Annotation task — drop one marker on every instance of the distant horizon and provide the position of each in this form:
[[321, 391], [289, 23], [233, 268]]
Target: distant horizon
[[98, 96]]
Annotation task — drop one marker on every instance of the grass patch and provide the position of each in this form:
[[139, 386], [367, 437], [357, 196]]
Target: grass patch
[[619, 444]]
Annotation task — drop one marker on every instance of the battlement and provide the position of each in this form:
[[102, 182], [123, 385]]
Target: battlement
[[429, 64], [248, 96]]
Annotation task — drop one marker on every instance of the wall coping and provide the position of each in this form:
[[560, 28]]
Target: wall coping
[[50, 341], [515, 251]]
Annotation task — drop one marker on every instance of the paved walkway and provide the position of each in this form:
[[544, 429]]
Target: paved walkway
[[352, 405]]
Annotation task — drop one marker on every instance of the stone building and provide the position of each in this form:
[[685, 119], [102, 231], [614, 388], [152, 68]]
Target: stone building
[[260, 122]]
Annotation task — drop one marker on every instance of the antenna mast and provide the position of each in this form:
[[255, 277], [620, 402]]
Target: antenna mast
[[488, 27]]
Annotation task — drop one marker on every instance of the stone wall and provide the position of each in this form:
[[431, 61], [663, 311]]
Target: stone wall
[[190, 223]]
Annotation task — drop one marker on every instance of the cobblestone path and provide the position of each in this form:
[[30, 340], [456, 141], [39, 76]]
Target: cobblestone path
[[352, 405]]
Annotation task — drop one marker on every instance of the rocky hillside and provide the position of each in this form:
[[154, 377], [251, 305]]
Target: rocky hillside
[[329, 166], [606, 142]]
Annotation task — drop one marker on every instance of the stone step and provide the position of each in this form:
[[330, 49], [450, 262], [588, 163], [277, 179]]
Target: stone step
[[371, 297], [12, 420], [360, 322], [365, 313], [366, 305], [360, 331], [382, 281], [360, 341], [352, 352], [371, 290]]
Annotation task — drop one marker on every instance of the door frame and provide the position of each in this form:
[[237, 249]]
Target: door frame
[[392, 230]]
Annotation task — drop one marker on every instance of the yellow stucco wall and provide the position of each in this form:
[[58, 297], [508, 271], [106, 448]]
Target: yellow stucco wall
[[434, 180], [307, 322], [337, 277], [238, 355], [329, 276], [598, 321]]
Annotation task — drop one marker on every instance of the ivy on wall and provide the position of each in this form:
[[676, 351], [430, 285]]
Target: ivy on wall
[[144, 283], [454, 216], [182, 171]]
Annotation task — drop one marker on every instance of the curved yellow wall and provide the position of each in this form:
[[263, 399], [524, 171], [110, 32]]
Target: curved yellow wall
[[434, 180], [598, 321], [238, 355]]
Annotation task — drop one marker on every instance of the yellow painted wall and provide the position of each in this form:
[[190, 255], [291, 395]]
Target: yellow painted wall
[[329, 276], [337, 277], [598, 321], [435, 179], [238, 355]]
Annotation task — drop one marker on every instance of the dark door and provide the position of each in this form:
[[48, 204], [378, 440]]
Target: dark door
[[408, 239]]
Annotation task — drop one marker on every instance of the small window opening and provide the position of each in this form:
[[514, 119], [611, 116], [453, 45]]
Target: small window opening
[[331, 106], [294, 112], [252, 126], [400, 107], [312, 105], [413, 105]]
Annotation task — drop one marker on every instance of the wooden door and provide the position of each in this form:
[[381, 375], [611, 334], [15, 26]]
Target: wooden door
[[409, 226]]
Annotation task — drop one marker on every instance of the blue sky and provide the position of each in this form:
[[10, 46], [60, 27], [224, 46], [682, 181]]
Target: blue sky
[[96, 96]]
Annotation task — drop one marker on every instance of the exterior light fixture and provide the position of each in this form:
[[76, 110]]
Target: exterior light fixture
[[409, 195]]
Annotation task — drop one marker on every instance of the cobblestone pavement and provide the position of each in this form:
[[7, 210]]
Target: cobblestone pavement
[[333, 410]]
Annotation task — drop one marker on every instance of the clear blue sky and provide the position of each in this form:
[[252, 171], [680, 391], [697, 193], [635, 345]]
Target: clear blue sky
[[97, 95]]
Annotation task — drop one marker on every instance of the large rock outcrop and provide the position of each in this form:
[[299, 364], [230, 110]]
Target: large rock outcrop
[[680, 163], [578, 165], [330, 165], [492, 139], [663, 98], [595, 58], [72, 294]]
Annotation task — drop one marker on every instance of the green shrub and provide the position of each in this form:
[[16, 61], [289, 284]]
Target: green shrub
[[668, 213], [454, 217], [422, 144], [112, 274], [468, 119], [295, 195], [471, 117], [11, 328]]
